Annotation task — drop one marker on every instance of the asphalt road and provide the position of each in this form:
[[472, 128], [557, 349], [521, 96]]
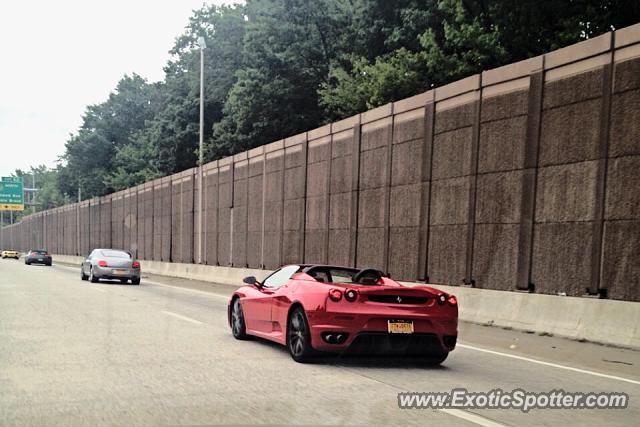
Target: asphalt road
[[76, 353]]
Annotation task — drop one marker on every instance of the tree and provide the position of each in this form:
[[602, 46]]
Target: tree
[[458, 47], [288, 47], [173, 132], [107, 128]]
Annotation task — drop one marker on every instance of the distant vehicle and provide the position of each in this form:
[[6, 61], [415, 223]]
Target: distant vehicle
[[110, 264], [10, 254], [37, 256], [326, 308]]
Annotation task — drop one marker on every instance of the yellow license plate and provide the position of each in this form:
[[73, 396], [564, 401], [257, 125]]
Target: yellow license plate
[[119, 272], [400, 326]]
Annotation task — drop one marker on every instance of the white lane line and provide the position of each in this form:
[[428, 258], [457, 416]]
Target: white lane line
[[553, 365], [225, 297], [185, 318], [473, 418]]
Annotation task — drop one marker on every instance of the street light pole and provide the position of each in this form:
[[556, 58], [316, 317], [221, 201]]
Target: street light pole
[[203, 45]]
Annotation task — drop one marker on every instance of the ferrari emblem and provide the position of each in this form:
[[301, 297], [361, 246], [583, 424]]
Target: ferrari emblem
[[399, 300]]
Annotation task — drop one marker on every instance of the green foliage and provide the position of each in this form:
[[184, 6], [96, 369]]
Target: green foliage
[[287, 49], [459, 47], [91, 155]]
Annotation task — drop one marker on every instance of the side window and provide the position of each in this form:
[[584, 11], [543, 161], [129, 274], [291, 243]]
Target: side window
[[280, 277]]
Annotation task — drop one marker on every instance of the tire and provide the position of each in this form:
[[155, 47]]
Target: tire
[[299, 336], [93, 278], [27, 263], [124, 281], [238, 327], [82, 275], [135, 281]]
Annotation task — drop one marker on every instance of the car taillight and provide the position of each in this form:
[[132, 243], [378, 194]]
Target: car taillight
[[351, 295], [135, 264], [452, 300], [335, 295], [102, 263], [46, 254]]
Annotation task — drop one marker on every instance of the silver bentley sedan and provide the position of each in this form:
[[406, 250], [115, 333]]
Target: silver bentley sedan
[[110, 264]]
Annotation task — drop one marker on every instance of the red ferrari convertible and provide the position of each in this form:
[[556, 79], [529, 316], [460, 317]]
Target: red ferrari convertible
[[326, 308]]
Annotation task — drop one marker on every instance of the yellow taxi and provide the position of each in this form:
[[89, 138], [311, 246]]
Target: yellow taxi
[[10, 254]]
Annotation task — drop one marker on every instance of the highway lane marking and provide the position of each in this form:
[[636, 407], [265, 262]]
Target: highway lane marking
[[185, 318], [473, 418], [145, 281], [553, 365], [497, 353], [225, 297]]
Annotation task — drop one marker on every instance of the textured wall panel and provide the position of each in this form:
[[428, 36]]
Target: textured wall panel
[[211, 218], [273, 209], [240, 213], [447, 254], [562, 257], [570, 133], [502, 144], [495, 255], [620, 261], [566, 192], [316, 221], [254, 206], [176, 219]]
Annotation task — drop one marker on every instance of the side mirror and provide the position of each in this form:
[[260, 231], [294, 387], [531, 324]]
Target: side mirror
[[250, 280]]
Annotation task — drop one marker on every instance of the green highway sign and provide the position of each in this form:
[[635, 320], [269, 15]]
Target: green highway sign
[[11, 194]]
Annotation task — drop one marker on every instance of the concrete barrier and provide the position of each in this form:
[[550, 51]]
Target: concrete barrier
[[206, 273], [597, 320]]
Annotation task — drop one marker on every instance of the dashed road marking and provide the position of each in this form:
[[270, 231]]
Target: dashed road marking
[[553, 365], [181, 317]]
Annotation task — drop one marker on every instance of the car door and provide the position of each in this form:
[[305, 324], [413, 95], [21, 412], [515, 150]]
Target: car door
[[86, 264], [257, 303]]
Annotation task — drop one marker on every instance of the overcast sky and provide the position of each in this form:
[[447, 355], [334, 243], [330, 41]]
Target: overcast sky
[[59, 56]]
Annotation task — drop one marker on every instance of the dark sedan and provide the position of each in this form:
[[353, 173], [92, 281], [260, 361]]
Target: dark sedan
[[37, 256]]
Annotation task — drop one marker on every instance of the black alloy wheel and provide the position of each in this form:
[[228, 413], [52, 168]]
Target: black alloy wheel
[[298, 336], [238, 327]]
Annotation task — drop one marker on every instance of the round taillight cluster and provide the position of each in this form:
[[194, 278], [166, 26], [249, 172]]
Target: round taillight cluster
[[447, 299], [335, 295], [351, 295]]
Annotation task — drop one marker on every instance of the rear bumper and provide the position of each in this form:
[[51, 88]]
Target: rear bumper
[[114, 274], [368, 333], [45, 260]]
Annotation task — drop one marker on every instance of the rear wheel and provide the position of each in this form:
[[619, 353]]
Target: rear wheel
[[124, 281], [135, 281], [92, 277], [82, 275], [238, 327], [299, 336], [27, 263]]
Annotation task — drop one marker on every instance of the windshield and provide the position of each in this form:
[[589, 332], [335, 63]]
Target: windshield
[[115, 254]]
